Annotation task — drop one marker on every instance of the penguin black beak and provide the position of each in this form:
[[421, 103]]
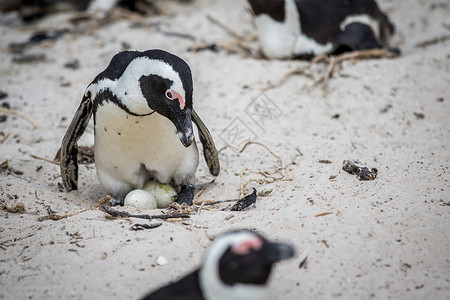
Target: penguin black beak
[[183, 123], [279, 251]]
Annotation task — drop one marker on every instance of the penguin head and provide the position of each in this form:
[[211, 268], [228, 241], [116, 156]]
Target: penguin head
[[166, 85], [238, 265], [168, 98], [143, 83]]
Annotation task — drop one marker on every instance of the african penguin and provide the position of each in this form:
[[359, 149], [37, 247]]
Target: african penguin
[[304, 28], [236, 266], [143, 113]]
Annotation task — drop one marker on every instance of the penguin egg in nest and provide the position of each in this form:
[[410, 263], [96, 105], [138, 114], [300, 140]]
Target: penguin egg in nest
[[163, 193], [140, 199]]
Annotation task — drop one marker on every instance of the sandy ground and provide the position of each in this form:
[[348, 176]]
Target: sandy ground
[[382, 239]]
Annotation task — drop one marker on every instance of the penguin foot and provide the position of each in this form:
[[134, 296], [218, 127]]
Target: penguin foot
[[115, 202], [186, 195], [394, 51]]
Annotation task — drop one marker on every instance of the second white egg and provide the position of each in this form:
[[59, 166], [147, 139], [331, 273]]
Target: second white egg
[[163, 193]]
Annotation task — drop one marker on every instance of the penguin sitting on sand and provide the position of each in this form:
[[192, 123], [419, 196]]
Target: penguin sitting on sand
[[236, 266], [304, 28], [143, 113]]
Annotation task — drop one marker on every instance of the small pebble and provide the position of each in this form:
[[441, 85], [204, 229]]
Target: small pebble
[[73, 64], [28, 58], [3, 94], [162, 261]]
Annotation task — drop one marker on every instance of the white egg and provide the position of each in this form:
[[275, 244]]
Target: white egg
[[163, 193], [140, 199]]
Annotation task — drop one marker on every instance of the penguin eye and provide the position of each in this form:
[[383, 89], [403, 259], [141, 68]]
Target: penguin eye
[[172, 95], [169, 95]]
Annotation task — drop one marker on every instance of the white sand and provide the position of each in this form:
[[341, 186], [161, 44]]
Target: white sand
[[384, 239]]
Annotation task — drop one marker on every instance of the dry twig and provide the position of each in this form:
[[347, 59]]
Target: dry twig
[[44, 159], [197, 195], [240, 204], [433, 41], [225, 28], [328, 75], [323, 214], [55, 217], [333, 61], [123, 214], [13, 112], [212, 202], [238, 46], [5, 137], [234, 47], [267, 177]]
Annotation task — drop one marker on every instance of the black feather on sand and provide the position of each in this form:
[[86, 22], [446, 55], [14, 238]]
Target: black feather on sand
[[245, 202]]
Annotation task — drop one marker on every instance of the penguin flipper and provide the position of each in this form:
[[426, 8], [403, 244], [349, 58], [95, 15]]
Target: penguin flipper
[[69, 146], [209, 148]]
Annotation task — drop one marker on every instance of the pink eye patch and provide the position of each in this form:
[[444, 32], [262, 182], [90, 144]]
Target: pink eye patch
[[245, 247], [172, 95]]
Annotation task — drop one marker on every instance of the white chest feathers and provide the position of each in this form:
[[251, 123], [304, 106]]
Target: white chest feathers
[[285, 39], [278, 38], [130, 150]]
